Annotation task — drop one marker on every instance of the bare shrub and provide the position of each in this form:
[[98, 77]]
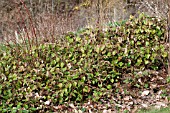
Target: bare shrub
[[50, 18]]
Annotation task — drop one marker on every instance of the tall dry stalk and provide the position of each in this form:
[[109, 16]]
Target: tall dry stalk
[[168, 22]]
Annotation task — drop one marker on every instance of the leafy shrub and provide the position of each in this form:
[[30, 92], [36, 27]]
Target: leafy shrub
[[85, 66]]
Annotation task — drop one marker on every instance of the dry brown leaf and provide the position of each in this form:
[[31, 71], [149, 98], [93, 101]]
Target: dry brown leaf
[[145, 93]]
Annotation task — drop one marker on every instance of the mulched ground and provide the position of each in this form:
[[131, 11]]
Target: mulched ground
[[156, 94]]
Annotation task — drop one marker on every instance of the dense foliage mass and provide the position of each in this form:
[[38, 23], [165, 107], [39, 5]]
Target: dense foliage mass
[[87, 65]]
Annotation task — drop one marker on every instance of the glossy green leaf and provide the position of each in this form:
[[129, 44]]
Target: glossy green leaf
[[121, 64], [109, 87]]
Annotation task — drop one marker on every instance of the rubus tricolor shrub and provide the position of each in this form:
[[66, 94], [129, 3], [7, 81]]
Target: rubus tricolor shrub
[[86, 65]]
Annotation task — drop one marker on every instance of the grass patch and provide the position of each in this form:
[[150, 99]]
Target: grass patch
[[154, 110]]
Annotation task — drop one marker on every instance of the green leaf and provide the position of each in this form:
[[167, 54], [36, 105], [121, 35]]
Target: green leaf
[[83, 78], [137, 85], [109, 87], [25, 106], [159, 33], [102, 47], [85, 89], [83, 109], [146, 61], [112, 80], [33, 109], [146, 86], [82, 49], [109, 54], [57, 59], [24, 111], [60, 85], [139, 61], [115, 61], [138, 43], [93, 82], [78, 39], [97, 49], [129, 64], [100, 85], [74, 83], [66, 91], [76, 76], [62, 64], [4, 110], [147, 43], [70, 40], [168, 79], [114, 52], [121, 64], [147, 56], [165, 54], [64, 69]]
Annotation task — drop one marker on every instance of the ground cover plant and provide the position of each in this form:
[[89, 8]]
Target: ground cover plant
[[118, 69]]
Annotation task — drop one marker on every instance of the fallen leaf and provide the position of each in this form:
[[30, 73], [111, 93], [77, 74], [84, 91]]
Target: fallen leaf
[[145, 93], [47, 102], [127, 98], [160, 104], [72, 106], [144, 105], [79, 111], [105, 111]]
